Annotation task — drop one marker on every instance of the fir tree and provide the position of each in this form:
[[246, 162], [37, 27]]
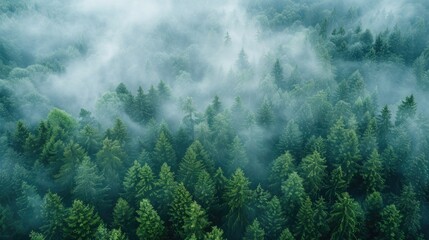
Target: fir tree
[[195, 221], [254, 231], [390, 224], [81, 222], [345, 218], [150, 224], [313, 170], [164, 153]]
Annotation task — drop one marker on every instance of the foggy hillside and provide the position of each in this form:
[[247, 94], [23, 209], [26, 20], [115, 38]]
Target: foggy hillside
[[240, 119]]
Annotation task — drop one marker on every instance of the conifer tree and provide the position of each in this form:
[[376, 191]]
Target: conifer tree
[[195, 221], [189, 169], [237, 197], [164, 153], [291, 140], [313, 170], [373, 206], [131, 180], [150, 224], [282, 167], [372, 170], [254, 231], [111, 161], [53, 214], [320, 216], [410, 207], [28, 203], [165, 187], [293, 195], [272, 219], [237, 155], [182, 200], [81, 222], [406, 110], [286, 235], [337, 184], [205, 190], [215, 234], [390, 224], [146, 181], [305, 221], [73, 156], [123, 217], [345, 218], [277, 73], [384, 127]]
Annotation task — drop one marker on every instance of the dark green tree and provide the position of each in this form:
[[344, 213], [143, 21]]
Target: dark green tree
[[28, 203], [286, 235], [345, 218], [277, 73], [254, 231], [390, 224], [182, 200], [131, 180], [123, 217], [306, 228], [372, 173], [189, 169], [164, 189], [195, 221], [73, 157], [53, 214], [320, 216], [384, 127], [313, 170], [205, 190], [337, 184], [410, 207], [272, 219], [293, 195], [291, 140], [81, 222], [150, 224], [237, 197], [146, 181], [373, 206], [215, 234], [282, 167], [265, 115], [406, 110], [163, 153]]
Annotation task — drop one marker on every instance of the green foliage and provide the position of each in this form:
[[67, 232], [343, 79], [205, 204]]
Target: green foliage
[[291, 140], [195, 221], [390, 223], [272, 219], [215, 234], [345, 218], [189, 168], [313, 170], [182, 200], [205, 190], [305, 221], [165, 188], [89, 184], [371, 173], [406, 110], [293, 195], [81, 222], [286, 235], [254, 231], [150, 224], [28, 203], [123, 216], [53, 214], [280, 170], [164, 153]]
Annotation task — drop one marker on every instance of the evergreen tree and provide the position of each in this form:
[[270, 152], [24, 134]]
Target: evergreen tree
[[345, 218], [28, 203], [272, 219], [189, 169], [277, 73], [337, 184], [305, 221], [36, 236], [118, 133], [111, 161], [19, 137], [291, 140], [344, 149], [410, 207], [406, 110], [205, 190], [165, 187], [131, 180], [242, 61], [286, 235], [195, 221], [373, 206], [390, 224], [73, 157], [145, 183], [384, 127], [123, 217], [89, 184], [163, 153], [237, 197], [265, 115], [293, 195], [320, 216], [237, 155], [313, 171], [53, 214], [215, 234], [7, 224], [81, 222], [282, 167], [150, 224], [254, 231], [141, 106], [179, 206], [371, 174]]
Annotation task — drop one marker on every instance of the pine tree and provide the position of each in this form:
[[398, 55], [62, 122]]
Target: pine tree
[[406, 110], [189, 169], [265, 115], [118, 133], [337, 184], [179, 206], [237, 197], [36, 236], [146, 181], [242, 61], [205, 190], [410, 207], [111, 161], [372, 170], [272, 219], [123, 217], [215, 234], [291, 140], [390, 224], [7, 224], [277, 73], [73, 156], [150, 224], [165, 187], [28, 203], [82, 221], [164, 153], [344, 149], [293, 195], [320, 216], [195, 221], [313, 170], [384, 127], [89, 184], [53, 214], [254, 231], [141, 106], [305, 218], [237, 155], [282, 167], [131, 180], [19, 137], [345, 218], [286, 235]]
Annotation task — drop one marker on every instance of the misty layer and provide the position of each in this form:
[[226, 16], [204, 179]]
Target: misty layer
[[214, 120]]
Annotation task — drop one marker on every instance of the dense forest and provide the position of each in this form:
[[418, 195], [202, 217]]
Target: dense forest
[[244, 119]]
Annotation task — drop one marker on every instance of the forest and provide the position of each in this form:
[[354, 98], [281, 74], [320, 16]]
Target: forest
[[214, 120]]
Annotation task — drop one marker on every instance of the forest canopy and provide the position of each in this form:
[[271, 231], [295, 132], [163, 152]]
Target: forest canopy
[[241, 119]]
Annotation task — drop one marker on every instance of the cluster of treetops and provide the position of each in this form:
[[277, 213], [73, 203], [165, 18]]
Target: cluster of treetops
[[336, 170]]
